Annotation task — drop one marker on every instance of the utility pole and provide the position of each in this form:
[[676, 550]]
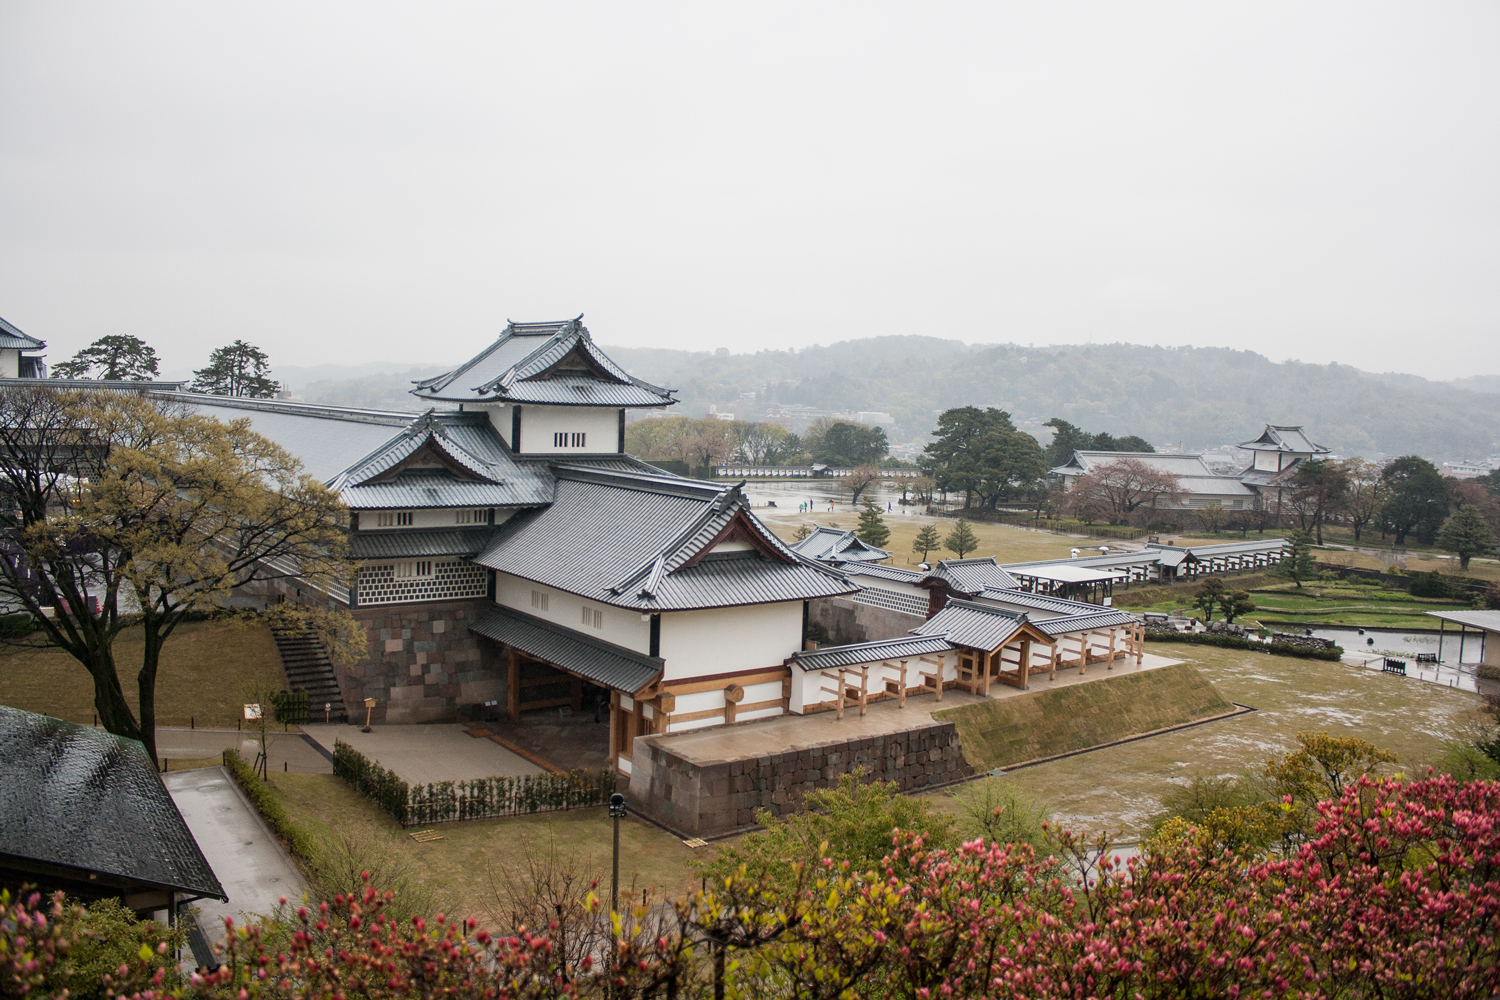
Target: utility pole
[[616, 813]]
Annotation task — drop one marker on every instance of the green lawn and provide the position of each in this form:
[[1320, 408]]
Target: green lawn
[[1315, 601], [204, 668], [464, 868]]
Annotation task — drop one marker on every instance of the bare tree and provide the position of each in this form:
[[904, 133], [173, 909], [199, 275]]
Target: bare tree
[[1124, 486], [859, 480]]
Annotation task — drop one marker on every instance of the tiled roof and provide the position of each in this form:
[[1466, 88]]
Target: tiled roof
[[838, 545], [634, 541], [1224, 549], [400, 544], [1028, 601], [905, 647], [970, 576], [893, 573], [977, 626], [1098, 618], [12, 339], [1285, 437], [86, 799], [523, 367], [602, 662]]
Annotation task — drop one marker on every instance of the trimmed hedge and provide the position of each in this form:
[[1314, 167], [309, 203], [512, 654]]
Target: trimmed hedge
[[480, 798], [371, 780], [15, 626], [297, 840], [1233, 642]]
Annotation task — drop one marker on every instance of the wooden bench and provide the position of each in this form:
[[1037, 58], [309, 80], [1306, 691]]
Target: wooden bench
[[1427, 658], [1391, 666]]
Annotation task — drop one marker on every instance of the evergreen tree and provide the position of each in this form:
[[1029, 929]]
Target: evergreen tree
[[872, 529], [1209, 594], [961, 540], [117, 356], [1298, 564], [1236, 603], [240, 369], [802, 532], [1467, 535], [1416, 498], [927, 539]]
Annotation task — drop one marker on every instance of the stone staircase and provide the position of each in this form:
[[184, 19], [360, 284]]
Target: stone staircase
[[308, 669]]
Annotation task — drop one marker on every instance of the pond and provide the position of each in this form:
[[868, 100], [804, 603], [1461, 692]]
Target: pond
[[1372, 647]]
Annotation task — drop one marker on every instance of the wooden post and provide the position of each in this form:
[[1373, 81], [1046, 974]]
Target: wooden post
[[1025, 664], [1140, 642], [1056, 659], [901, 691], [988, 663], [513, 686], [937, 675], [614, 729], [577, 694], [1112, 632]]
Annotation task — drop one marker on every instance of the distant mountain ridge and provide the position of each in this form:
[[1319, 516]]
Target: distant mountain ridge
[[1202, 397]]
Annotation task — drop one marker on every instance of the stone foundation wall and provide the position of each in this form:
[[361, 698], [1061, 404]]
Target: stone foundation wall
[[844, 621], [423, 662], [707, 798]]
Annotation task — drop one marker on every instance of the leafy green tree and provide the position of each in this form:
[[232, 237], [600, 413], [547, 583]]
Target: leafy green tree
[[1467, 535], [1210, 592], [953, 454], [851, 445], [240, 369], [872, 529], [1066, 439], [853, 822], [961, 540], [1297, 564], [117, 356], [1236, 603], [927, 539], [1416, 498]]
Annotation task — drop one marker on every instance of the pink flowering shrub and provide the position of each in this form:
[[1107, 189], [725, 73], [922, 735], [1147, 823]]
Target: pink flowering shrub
[[1396, 894]]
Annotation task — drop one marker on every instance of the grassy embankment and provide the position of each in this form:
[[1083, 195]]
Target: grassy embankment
[[204, 669], [1338, 548], [1008, 731], [1120, 788]]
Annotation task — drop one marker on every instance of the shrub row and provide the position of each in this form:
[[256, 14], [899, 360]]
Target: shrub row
[[1233, 642], [371, 780], [480, 798], [508, 796], [297, 840]]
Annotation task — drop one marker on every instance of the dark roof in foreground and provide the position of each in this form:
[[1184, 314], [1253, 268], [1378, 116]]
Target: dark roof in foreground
[[838, 545], [977, 626], [87, 800], [602, 662], [648, 543]]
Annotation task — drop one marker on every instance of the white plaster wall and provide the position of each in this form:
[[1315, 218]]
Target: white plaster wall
[[730, 640], [621, 627], [10, 364], [539, 423], [431, 517], [1267, 461]]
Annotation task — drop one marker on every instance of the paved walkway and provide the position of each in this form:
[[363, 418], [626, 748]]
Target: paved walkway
[[250, 864], [425, 754], [288, 751]]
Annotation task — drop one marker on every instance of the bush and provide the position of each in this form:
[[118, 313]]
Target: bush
[[15, 626], [1435, 584], [52, 948], [297, 840], [1000, 812], [1234, 642], [371, 780]]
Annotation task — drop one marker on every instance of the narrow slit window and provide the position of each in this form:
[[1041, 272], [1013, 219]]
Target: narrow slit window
[[539, 600]]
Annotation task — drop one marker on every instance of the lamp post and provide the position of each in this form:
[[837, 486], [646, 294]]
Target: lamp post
[[616, 813]]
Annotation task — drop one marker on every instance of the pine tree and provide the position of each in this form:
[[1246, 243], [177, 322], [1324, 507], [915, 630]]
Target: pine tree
[[872, 529], [240, 369], [927, 539], [1298, 563], [1467, 535], [802, 532], [117, 356], [1236, 603], [961, 539]]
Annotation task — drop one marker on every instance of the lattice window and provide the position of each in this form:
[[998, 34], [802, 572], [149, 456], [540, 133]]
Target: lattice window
[[909, 604], [539, 600], [393, 519], [475, 515], [402, 582], [592, 618], [573, 439]]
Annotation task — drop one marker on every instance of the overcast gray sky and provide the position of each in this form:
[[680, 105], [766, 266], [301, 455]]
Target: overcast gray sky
[[364, 181]]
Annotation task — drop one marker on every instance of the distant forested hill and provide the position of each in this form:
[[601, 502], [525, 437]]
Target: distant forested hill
[[1203, 397]]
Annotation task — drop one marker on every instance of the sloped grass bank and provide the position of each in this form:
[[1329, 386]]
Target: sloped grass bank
[[1008, 731]]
